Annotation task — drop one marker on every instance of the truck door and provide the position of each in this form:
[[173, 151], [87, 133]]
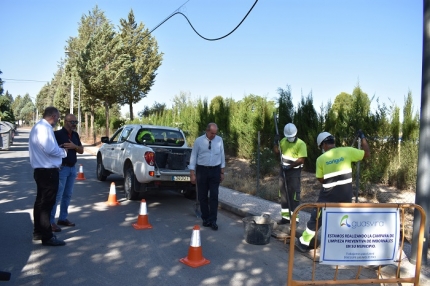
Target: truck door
[[108, 150], [119, 149]]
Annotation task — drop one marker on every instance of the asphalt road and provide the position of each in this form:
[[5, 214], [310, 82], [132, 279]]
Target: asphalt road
[[104, 248]]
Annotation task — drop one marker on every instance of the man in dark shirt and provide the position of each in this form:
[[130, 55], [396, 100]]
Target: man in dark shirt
[[67, 138]]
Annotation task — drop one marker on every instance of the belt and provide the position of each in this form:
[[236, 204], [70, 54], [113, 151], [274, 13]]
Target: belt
[[209, 167], [68, 165], [45, 169]]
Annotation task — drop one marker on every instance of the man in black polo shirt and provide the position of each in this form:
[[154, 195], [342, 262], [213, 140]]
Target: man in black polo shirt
[[67, 138]]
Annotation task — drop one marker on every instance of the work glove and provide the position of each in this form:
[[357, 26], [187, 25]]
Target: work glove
[[360, 134], [276, 140], [286, 167]]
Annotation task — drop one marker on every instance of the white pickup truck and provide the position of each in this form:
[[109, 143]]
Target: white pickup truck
[[148, 157]]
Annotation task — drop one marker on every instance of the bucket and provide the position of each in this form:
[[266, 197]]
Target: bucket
[[258, 229]]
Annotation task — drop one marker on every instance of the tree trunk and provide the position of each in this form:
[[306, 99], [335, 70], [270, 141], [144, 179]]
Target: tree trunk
[[93, 134], [86, 126], [107, 118], [131, 112]]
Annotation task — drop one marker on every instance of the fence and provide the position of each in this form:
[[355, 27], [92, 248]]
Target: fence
[[321, 270]]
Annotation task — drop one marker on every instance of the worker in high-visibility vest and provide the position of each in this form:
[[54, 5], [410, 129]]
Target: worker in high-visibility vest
[[334, 171], [294, 152]]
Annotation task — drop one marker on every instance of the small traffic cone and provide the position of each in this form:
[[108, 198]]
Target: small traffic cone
[[80, 173], [112, 196], [142, 219], [195, 257]]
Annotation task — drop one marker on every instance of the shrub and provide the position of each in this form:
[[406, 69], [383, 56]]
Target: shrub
[[268, 161]]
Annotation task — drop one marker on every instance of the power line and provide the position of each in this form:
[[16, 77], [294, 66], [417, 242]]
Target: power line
[[33, 80], [207, 39]]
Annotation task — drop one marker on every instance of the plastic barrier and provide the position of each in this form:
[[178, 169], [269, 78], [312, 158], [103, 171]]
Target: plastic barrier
[[320, 270]]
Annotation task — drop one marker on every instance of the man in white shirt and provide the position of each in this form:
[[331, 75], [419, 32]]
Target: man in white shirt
[[207, 165], [45, 159]]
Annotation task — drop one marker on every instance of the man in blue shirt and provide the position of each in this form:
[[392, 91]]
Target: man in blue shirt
[[207, 163], [67, 138]]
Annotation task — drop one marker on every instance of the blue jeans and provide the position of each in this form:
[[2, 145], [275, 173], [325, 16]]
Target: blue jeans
[[64, 194]]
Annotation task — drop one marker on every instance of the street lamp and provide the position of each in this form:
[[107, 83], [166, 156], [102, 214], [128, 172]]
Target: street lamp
[[79, 97]]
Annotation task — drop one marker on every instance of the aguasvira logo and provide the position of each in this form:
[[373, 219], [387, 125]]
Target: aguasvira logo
[[344, 221]]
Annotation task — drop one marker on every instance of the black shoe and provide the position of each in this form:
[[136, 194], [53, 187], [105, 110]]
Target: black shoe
[[303, 248], [214, 226], [4, 276], [65, 222], [283, 221], [53, 242], [207, 224]]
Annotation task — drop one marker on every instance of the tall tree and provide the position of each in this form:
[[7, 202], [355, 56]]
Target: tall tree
[[410, 125], [360, 110], [6, 113], [142, 49], [306, 121], [88, 27], [23, 108], [221, 113], [285, 108], [102, 68], [342, 101]]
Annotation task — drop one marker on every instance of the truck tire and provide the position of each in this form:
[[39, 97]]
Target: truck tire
[[131, 184], [101, 172]]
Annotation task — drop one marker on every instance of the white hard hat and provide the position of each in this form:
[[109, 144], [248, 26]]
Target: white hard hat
[[322, 136], [290, 130]]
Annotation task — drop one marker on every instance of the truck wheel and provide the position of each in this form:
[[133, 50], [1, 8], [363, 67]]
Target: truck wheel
[[130, 185], [100, 170]]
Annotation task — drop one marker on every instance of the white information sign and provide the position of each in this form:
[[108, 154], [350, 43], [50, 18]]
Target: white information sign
[[359, 236]]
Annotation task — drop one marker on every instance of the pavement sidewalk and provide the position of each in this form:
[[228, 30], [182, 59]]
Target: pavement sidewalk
[[245, 205]]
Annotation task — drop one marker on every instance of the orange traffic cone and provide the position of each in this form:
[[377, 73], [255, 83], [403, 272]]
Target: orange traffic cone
[[142, 219], [195, 257], [112, 196], [80, 173]]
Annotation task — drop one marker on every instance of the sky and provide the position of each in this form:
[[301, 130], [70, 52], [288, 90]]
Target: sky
[[319, 47]]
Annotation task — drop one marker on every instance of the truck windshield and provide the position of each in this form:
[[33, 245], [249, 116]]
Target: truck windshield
[[160, 137]]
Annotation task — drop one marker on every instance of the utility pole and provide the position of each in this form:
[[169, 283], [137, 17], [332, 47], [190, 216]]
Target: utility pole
[[71, 98], [422, 196], [79, 108]]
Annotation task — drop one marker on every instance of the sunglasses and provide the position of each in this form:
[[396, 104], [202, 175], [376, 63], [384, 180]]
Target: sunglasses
[[210, 145], [73, 121]]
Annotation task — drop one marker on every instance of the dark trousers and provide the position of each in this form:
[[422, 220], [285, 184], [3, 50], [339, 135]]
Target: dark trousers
[[335, 195], [208, 180], [47, 187], [293, 187]]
